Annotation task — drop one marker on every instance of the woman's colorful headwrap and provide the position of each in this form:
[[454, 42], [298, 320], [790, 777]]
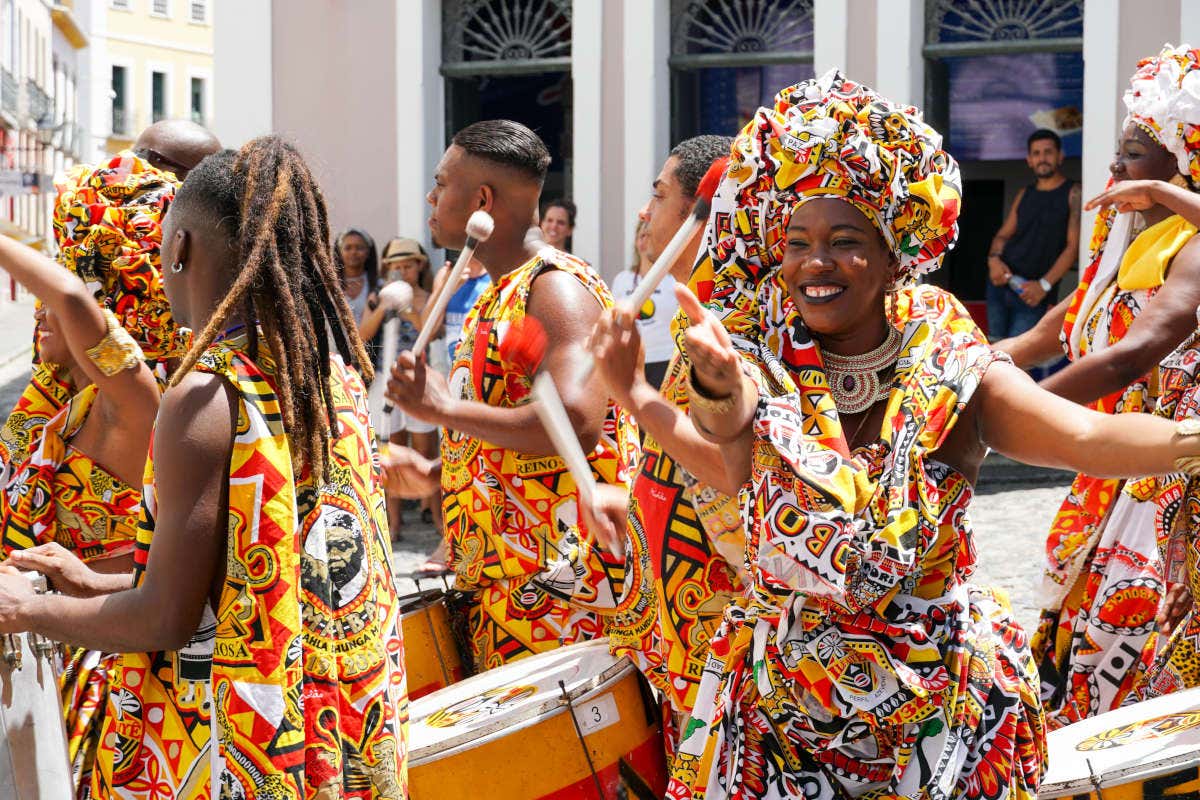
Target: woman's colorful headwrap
[[108, 225], [827, 137], [1164, 100]]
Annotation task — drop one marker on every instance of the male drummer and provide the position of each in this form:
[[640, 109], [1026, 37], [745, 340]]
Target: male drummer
[[531, 575], [685, 538]]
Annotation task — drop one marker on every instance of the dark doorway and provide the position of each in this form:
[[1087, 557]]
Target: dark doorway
[[540, 101]]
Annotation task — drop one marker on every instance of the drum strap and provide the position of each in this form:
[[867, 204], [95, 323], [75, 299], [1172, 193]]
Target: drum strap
[[458, 609]]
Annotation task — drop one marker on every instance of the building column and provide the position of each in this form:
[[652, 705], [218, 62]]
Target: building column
[[1189, 24], [1102, 86], [647, 107], [900, 39], [420, 113], [243, 71], [831, 36], [598, 135]]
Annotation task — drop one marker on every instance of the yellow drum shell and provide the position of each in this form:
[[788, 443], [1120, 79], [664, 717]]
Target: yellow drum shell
[[541, 756], [431, 660]]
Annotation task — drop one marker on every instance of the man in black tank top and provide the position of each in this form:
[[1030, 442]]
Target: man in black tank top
[[1036, 245]]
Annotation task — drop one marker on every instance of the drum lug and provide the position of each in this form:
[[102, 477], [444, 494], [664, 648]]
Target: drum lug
[[42, 646], [10, 650]]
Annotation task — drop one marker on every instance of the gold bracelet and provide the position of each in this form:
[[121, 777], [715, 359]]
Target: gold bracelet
[[117, 351], [1189, 465], [706, 402]]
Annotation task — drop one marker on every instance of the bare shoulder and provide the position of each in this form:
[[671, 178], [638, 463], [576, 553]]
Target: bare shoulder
[[557, 294], [197, 412]]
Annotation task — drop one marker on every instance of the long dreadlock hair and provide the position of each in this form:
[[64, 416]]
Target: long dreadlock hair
[[266, 199]]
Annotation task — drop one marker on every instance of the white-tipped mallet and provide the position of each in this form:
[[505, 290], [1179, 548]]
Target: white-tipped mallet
[[549, 407], [479, 228], [396, 296]]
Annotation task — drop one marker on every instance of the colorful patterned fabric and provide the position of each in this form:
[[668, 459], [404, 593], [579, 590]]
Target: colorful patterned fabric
[[48, 391], [108, 226], [294, 688], [862, 663], [1176, 500], [1164, 99], [684, 552], [1103, 579], [533, 577], [58, 494]]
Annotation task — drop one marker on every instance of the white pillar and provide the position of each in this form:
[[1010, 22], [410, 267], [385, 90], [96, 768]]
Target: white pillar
[[900, 37], [420, 112], [598, 137], [647, 104], [1189, 23], [1102, 87], [243, 71], [831, 29]]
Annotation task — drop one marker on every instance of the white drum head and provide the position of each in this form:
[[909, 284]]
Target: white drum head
[[503, 700], [1130, 744]]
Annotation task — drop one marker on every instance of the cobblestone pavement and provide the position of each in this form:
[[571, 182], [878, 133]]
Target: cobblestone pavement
[[1010, 518]]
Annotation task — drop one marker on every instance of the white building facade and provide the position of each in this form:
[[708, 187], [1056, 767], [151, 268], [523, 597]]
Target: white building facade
[[372, 90]]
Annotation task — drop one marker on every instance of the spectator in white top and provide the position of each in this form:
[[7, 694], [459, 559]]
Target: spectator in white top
[[558, 223], [655, 315]]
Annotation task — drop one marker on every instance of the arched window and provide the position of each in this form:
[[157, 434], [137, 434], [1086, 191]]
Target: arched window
[[728, 57], [511, 59]]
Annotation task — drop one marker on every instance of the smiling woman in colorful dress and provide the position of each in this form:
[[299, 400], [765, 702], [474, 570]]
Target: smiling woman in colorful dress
[[854, 409]]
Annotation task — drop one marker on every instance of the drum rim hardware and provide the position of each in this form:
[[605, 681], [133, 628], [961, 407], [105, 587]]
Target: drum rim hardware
[[548, 705], [587, 754]]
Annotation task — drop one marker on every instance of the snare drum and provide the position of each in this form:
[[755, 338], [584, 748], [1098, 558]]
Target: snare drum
[[431, 658], [33, 742], [571, 723], [1145, 750]]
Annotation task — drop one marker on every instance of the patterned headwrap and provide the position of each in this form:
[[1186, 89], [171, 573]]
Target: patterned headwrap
[[1163, 99], [108, 225], [827, 137]]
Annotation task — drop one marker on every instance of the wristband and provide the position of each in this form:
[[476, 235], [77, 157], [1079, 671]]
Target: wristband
[[1045, 284]]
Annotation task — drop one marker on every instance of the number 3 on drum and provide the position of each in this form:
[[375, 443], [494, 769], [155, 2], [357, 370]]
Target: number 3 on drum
[[598, 714]]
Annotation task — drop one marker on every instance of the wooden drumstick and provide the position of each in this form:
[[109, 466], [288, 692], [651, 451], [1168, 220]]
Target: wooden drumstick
[[549, 407], [399, 296], [479, 228]]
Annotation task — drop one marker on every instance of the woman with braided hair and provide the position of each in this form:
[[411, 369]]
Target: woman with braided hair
[[261, 648]]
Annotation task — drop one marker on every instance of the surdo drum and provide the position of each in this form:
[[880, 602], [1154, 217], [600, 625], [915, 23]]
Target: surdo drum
[[1145, 750], [571, 723]]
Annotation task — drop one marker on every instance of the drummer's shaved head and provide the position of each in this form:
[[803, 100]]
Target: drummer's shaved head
[[176, 145]]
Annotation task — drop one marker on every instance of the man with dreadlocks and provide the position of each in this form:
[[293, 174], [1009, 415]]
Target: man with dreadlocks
[[262, 654], [531, 576]]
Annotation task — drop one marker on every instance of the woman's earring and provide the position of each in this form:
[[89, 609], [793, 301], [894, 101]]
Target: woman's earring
[[177, 267]]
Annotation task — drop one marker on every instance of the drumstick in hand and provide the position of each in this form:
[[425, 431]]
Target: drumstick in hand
[[549, 408], [662, 265], [479, 228], [523, 347]]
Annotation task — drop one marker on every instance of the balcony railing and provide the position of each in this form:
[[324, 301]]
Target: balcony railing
[[39, 104], [9, 89]]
